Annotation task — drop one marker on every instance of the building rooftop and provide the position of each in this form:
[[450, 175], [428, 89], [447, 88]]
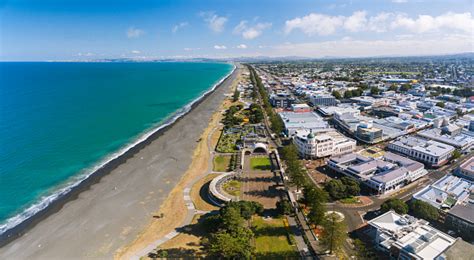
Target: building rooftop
[[422, 145], [464, 211], [305, 120], [411, 235], [446, 192], [468, 166]]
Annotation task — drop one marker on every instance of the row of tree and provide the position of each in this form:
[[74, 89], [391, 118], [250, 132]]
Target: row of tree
[[229, 235], [277, 124], [417, 208]]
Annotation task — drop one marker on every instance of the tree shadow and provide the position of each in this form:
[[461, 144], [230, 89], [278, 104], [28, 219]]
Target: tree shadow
[[181, 253]]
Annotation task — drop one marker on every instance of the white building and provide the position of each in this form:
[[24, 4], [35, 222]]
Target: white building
[[323, 100], [405, 237], [429, 152], [329, 143], [296, 121], [382, 175]]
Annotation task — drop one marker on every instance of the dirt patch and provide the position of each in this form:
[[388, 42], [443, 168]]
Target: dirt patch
[[200, 191]]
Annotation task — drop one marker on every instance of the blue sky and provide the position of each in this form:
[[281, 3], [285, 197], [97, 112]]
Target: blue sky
[[81, 30]]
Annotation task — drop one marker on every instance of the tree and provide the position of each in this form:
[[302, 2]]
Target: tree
[[424, 210], [362, 252], [312, 193], [347, 94], [352, 187], [393, 87], [456, 154], [284, 207], [334, 233], [236, 96], [397, 205], [374, 91], [316, 213], [336, 189], [230, 246], [440, 104], [405, 87], [336, 94]]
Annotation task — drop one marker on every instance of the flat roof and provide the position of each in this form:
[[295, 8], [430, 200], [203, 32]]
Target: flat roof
[[468, 166]]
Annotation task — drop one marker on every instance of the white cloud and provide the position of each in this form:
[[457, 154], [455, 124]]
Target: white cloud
[[87, 54], [135, 52], [241, 46], [315, 24], [416, 45], [179, 26], [251, 32], [133, 32], [425, 23], [191, 49], [400, 1], [322, 24], [214, 22], [356, 22], [220, 47]]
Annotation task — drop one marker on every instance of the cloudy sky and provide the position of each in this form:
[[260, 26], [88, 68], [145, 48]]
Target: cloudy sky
[[95, 29]]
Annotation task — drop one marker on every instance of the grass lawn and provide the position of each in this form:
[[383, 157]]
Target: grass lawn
[[260, 163], [221, 163], [272, 239], [350, 200], [232, 187]]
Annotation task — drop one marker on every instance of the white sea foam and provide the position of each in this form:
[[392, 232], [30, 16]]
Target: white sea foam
[[45, 201]]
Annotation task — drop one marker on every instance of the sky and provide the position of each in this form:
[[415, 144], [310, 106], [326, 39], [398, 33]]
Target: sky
[[145, 29]]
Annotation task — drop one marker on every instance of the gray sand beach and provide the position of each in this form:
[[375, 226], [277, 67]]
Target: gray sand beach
[[113, 211]]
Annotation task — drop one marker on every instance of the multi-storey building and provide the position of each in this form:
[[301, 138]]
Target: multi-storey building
[[430, 152], [330, 143]]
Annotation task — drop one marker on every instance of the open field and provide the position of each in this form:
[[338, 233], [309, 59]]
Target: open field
[[260, 163], [232, 187], [221, 163], [272, 239]]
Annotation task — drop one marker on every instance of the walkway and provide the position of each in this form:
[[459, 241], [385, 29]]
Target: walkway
[[191, 209]]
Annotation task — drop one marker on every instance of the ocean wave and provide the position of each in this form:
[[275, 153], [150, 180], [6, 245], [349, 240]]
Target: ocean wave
[[45, 201]]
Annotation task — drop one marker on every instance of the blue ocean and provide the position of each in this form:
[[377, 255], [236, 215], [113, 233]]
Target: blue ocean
[[60, 121]]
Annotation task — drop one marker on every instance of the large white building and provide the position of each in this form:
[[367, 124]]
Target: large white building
[[382, 175], [430, 152], [330, 143], [405, 237], [296, 121], [323, 100]]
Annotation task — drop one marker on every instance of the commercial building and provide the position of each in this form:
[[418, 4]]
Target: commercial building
[[323, 100], [449, 135], [466, 170], [382, 175], [405, 237], [330, 110], [446, 192], [300, 108], [429, 152], [330, 143], [295, 122], [460, 219], [282, 100]]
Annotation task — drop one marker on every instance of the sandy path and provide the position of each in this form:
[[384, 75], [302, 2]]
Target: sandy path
[[114, 212]]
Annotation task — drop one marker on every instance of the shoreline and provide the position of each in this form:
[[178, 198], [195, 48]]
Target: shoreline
[[72, 192]]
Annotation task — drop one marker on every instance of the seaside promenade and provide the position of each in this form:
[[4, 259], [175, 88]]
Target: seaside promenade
[[113, 212]]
